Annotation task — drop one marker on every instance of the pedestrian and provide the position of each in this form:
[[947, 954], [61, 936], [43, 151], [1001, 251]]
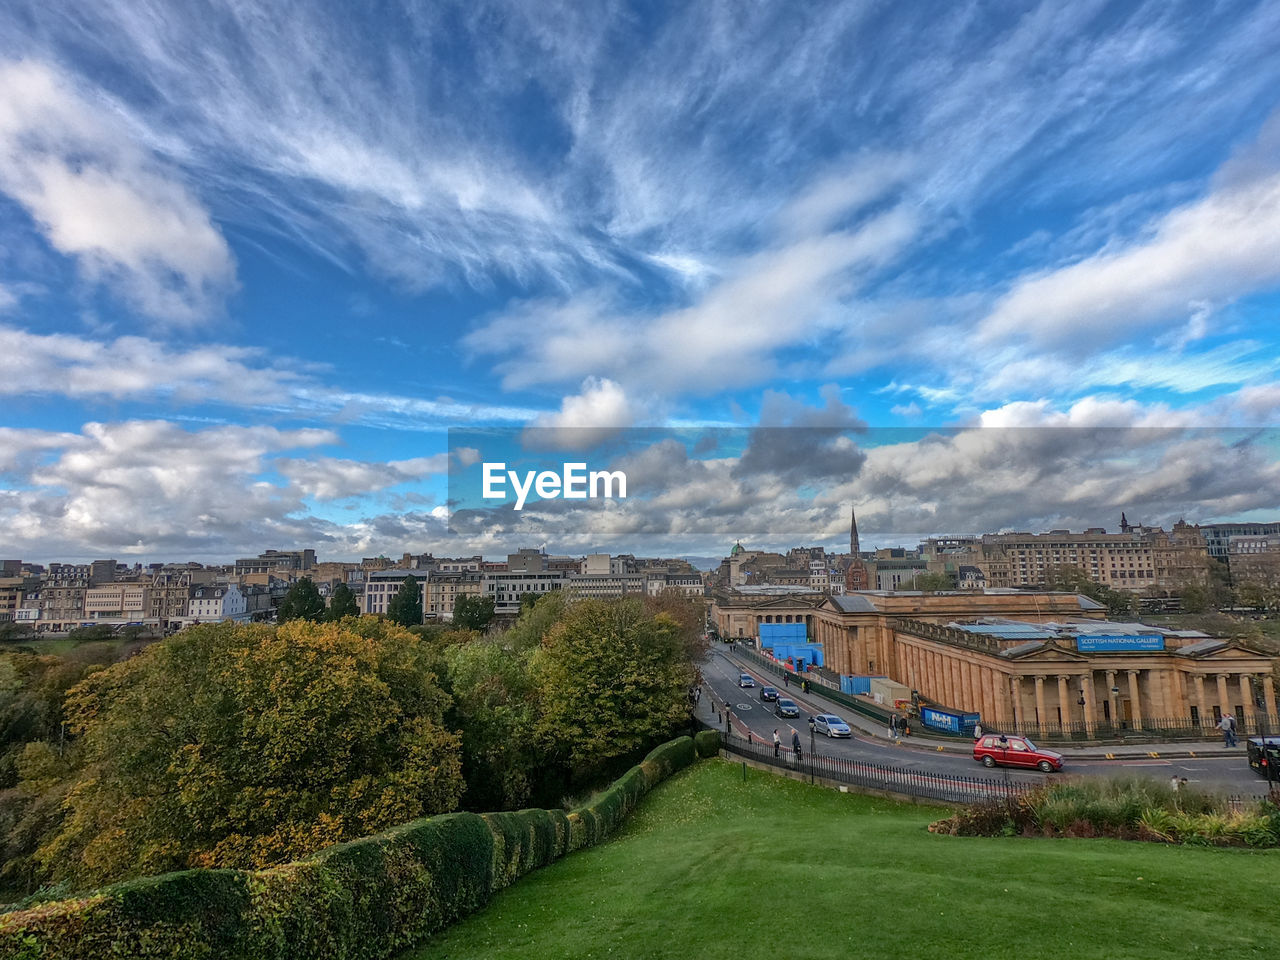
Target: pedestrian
[[786, 678], [893, 726], [977, 731], [777, 744], [697, 697], [1228, 727], [795, 743]]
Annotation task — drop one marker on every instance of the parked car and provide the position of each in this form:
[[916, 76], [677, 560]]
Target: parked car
[[768, 693], [995, 748], [1264, 752], [746, 680], [831, 725], [787, 708]]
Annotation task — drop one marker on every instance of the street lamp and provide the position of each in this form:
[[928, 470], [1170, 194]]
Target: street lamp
[[813, 763]]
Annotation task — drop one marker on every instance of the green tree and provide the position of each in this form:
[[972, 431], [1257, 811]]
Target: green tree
[[495, 708], [246, 745], [473, 613], [302, 602], [10, 630], [611, 680], [930, 582], [529, 600], [342, 603], [405, 608]]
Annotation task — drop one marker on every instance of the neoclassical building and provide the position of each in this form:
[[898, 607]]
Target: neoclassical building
[[1020, 658]]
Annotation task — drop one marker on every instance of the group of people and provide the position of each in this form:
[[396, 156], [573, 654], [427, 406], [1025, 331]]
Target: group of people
[[1228, 727]]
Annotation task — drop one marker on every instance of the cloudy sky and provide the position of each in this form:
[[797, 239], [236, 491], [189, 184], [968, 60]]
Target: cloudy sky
[[256, 259]]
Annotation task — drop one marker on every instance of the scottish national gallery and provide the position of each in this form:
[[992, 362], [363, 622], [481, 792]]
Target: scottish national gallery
[[1026, 660]]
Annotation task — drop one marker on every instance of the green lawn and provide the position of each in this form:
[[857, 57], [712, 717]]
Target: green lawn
[[711, 867]]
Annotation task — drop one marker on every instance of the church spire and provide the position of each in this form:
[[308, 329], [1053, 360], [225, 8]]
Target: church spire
[[853, 533], [1124, 523]]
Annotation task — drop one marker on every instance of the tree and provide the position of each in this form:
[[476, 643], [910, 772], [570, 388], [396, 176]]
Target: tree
[[529, 600], [611, 680], [495, 708], [243, 745], [930, 582], [10, 630], [405, 607], [342, 603], [473, 613], [690, 613], [302, 602]]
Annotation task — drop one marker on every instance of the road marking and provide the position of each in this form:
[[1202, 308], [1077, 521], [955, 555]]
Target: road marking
[[1153, 754], [1111, 756], [742, 706]]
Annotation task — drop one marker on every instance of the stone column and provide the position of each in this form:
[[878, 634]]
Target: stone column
[[1202, 706], [1224, 698], [1246, 698], [1041, 716], [1269, 697], [1064, 699], [1086, 691], [1135, 698], [1112, 698], [1016, 695]]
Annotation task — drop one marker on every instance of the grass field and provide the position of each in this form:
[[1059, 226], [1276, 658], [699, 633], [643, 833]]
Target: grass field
[[711, 867]]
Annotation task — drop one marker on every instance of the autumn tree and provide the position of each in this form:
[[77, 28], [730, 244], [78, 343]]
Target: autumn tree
[[405, 608], [930, 582], [302, 602], [612, 679], [246, 745], [342, 603]]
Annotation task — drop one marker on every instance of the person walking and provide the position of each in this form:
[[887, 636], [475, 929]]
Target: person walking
[[777, 744], [893, 726], [1228, 727], [795, 743], [786, 678]]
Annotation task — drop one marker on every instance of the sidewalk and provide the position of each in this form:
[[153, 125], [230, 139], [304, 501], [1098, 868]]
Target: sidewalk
[[924, 742]]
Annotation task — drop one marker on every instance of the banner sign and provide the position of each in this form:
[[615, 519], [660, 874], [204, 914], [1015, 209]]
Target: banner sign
[[1101, 642], [942, 720]]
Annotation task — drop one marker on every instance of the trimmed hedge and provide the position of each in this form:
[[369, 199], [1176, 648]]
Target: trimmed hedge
[[707, 743], [364, 900]]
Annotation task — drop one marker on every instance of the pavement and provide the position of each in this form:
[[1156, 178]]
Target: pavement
[[868, 727]]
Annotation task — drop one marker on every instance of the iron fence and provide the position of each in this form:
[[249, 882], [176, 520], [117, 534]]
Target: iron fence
[[1147, 729], [924, 784]]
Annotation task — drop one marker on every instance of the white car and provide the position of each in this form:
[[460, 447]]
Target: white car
[[831, 725]]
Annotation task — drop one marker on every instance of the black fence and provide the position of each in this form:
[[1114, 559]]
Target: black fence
[[926, 785], [1147, 729]]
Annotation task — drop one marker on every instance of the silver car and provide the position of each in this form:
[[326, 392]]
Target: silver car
[[831, 725]]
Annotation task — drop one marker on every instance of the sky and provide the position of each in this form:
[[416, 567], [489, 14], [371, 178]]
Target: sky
[[963, 266]]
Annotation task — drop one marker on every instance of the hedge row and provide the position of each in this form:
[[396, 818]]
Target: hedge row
[[367, 899]]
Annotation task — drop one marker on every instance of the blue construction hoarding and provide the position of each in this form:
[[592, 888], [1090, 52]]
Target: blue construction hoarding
[[784, 632], [855, 685], [948, 720]]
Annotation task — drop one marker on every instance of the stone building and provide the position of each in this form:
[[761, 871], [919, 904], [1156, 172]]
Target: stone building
[[1021, 658]]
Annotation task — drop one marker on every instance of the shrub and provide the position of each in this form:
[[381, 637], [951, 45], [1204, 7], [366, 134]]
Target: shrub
[[369, 898], [707, 743]]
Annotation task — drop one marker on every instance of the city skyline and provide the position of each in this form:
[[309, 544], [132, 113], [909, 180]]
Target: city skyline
[[1003, 271]]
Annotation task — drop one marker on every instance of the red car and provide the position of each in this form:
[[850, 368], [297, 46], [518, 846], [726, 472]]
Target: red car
[[995, 748]]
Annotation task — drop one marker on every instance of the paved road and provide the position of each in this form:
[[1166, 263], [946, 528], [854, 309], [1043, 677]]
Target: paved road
[[1229, 774]]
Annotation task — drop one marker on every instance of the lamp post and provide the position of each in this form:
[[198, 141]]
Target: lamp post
[[813, 762]]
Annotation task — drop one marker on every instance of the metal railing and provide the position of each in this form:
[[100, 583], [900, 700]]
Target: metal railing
[[923, 784], [1149, 728]]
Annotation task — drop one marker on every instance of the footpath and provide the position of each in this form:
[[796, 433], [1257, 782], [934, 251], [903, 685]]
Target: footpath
[[921, 741]]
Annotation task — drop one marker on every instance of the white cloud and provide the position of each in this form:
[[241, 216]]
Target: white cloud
[[329, 478], [1211, 251], [585, 418], [98, 197]]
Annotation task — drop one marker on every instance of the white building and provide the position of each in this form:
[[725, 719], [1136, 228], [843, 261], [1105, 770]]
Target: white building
[[217, 602]]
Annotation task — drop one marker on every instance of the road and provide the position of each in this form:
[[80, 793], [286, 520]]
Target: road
[[1230, 774]]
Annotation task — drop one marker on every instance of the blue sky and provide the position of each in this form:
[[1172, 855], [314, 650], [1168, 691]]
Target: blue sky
[[257, 259]]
